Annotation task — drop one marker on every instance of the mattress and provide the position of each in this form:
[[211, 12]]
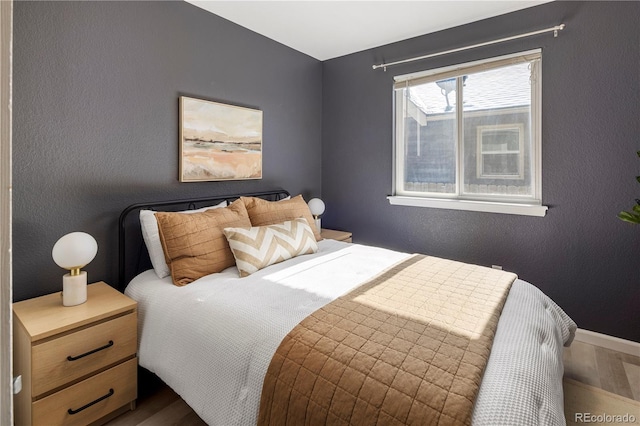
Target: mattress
[[212, 341]]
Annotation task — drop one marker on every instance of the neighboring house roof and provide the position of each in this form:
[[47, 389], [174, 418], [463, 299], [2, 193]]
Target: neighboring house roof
[[505, 87]]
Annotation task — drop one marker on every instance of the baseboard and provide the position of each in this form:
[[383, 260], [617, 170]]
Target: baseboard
[[609, 342]]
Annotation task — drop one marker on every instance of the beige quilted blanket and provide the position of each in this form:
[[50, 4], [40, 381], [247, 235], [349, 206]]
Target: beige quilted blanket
[[408, 347]]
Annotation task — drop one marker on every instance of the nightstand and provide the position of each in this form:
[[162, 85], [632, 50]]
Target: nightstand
[[331, 234], [78, 363]]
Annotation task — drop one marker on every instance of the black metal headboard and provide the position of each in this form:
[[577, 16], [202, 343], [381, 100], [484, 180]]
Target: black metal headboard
[[133, 257]]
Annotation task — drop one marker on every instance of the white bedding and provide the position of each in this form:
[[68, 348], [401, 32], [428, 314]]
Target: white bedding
[[212, 340]]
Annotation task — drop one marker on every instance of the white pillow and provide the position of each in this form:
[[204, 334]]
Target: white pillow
[[151, 238]]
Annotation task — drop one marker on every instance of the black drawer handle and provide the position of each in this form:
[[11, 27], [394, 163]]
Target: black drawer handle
[[108, 345], [84, 407]]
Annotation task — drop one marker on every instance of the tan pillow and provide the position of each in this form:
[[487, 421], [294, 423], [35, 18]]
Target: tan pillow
[[194, 244], [262, 212], [260, 246]]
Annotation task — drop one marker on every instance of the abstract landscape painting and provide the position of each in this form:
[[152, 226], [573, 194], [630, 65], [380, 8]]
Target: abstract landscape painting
[[219, 142]]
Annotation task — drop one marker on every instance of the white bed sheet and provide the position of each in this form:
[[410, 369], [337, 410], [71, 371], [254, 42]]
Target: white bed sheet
[[212, 340]]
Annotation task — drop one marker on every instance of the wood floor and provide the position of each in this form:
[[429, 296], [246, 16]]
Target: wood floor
[[601, 368]]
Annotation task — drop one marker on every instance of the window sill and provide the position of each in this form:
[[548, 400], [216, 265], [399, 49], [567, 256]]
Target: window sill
[[475, 206]]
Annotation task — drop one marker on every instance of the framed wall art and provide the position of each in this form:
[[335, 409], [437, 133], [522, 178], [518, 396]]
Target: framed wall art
[[219, 141]]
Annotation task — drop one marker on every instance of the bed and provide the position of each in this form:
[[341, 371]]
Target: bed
[[213, 340]]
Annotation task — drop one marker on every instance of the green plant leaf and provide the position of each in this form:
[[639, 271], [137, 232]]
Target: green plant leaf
[[634, 215], [629, 217]]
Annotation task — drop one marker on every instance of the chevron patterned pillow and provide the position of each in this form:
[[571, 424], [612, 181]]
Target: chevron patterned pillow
[[260, 246]]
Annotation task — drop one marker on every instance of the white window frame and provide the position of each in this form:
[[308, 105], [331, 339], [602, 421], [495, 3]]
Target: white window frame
[[516, 204], [481, 153]]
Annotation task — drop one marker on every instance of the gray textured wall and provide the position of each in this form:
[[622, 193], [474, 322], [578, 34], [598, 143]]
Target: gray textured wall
[[95, 127], [580, 254], [96, 87]]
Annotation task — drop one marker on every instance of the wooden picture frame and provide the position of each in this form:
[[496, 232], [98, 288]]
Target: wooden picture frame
[[219, 141]]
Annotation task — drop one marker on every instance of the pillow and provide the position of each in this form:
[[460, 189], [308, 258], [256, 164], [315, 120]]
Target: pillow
[[262, 212], [194, 245], [257, 247], [152, 238]]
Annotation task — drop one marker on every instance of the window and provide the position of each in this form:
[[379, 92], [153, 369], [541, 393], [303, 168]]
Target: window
[[469, 136], [500, 152]]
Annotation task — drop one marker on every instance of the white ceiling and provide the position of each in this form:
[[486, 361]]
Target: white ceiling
[[328, 29]]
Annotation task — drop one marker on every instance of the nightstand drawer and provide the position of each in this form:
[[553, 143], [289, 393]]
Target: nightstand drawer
[[108, 391], [62, 360]]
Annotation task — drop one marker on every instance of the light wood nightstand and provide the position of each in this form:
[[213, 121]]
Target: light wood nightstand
[[78, 363], [331, 234]]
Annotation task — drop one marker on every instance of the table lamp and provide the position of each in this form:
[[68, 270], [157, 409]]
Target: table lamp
[[316, 207], [72, 252]]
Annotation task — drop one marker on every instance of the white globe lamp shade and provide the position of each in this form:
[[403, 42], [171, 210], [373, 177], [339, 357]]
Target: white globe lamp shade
[[74, 251], [316, 206]]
